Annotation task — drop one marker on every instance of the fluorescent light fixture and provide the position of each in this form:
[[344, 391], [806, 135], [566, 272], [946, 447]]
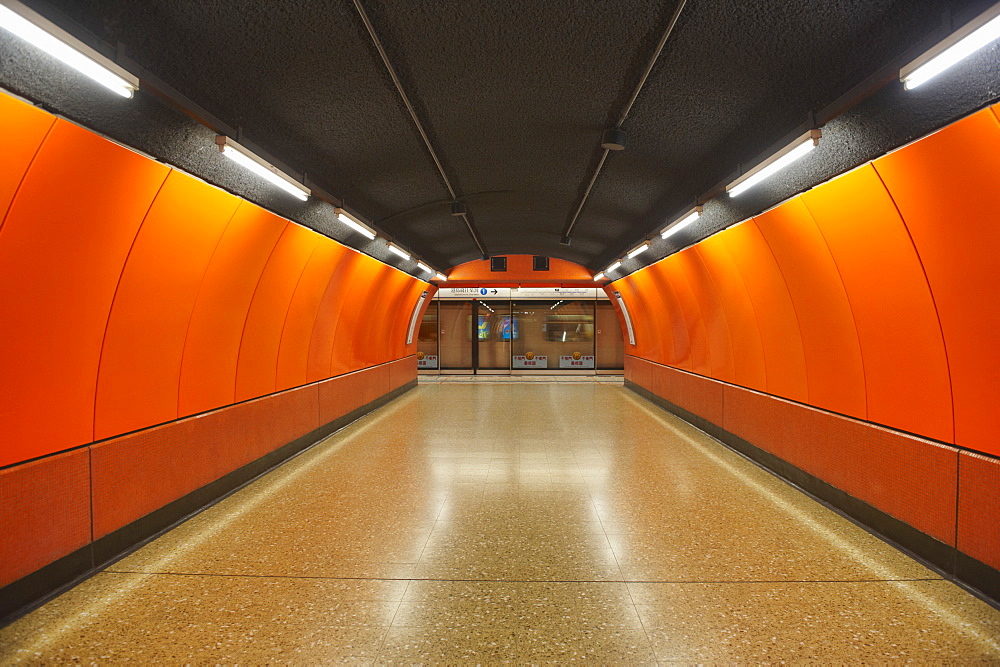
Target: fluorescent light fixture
[[678, 225], [246, 159], [962, 43], [53, 40], [399, 251], [613, 267], [635, 252], [441, 277], [354, 223], [775, 163], [599, 276], [424, 267]]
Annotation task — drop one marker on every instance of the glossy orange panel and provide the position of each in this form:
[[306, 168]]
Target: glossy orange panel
[[947, 188], [140, 368], [834, 367], [22, 129], [519, 268], [712, 311], [701, 352], [324, 328], [401, 326], [293, 352], [212, 345], [906, 369], [748, 350], [652, 337], [62, 249], [258, 361], [356, 307], [779, 329], [368, 330]]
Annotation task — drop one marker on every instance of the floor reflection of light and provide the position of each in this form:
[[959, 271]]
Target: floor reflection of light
[[880, 571]]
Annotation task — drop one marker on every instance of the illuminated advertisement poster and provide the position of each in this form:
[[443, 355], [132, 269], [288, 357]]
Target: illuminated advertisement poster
[[530, 360], [576, 360]]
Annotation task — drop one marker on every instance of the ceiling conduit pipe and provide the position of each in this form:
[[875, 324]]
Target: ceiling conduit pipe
[[610, 136], [416, 121]]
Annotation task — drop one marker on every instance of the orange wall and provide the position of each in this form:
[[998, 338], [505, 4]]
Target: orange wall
[[873, 295], [133, 294]]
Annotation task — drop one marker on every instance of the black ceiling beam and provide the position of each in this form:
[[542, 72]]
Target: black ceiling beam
[[416, 122], [568, 230]]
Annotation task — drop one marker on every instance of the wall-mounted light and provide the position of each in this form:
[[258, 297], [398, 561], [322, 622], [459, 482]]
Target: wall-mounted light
[[399, 251], [441, 277], [424, 267], [775, 163], [613, 267], [680, 224], [599, 276], [53, 40], [959, 45], [635, 252], [355, 224], [246, 159]]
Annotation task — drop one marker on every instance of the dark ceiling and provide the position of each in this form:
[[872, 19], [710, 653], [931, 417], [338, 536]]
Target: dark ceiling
[[514, 96]]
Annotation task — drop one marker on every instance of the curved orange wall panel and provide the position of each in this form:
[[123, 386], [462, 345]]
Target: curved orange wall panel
[[701, 352], [712, 312], [834, 369], [22, 129], [293, 351], [368, 329], [212, 346], [748, 350], [257, 368], [906, 369], [62, 248], [649, 343], [325, 326], [779, 328], [353, 316], [947, 189], [140, 369]]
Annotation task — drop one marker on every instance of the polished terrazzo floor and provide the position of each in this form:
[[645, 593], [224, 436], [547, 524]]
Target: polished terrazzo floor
[[524, 522]]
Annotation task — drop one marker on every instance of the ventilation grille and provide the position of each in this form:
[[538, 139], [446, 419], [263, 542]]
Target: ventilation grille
[[540, 263], [498, 263]]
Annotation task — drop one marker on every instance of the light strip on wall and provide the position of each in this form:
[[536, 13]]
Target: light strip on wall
[[53, 40], [599, 276], [635, 252], [424, 267], [268, 172], [355, 224], [441, 277], [399, 251], [613, 267], [678, 225], [961, 44], [774, 164]]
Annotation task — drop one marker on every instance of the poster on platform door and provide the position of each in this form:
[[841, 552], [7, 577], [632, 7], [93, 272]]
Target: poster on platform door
[[576, 360], [426, 360], [531, 360]]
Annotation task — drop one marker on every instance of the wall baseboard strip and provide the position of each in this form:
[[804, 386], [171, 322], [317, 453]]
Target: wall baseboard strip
[[50, 581], [973, 575]]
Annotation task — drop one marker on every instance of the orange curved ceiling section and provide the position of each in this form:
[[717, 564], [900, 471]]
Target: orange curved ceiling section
[[519, 269], [872, 295], [133, 294]]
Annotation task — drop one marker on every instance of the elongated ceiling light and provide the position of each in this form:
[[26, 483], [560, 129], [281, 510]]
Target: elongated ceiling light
[[599, 276], [962, 43], [424, 267], [53, 40], [635, 252], [399, 251], [441, 277], [613, 267], [355, 224], [678, 225], [775, 163], [268, 172]]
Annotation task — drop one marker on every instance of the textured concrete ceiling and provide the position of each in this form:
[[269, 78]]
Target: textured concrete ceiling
[[515, 95]]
